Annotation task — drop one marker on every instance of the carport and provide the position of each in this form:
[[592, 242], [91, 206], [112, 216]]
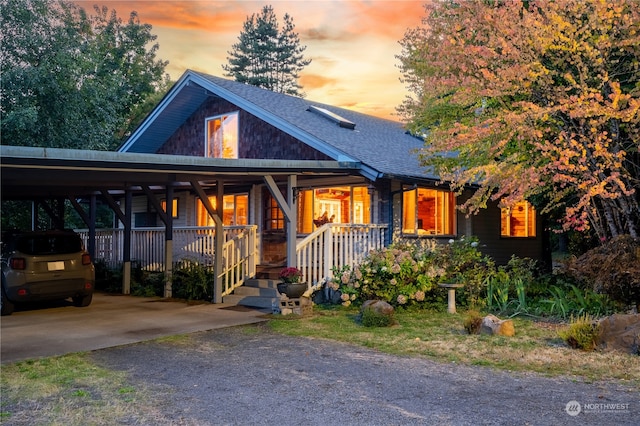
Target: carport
[[49, 176], [111, 320]]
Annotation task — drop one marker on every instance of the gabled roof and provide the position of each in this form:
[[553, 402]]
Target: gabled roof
[[383, 147]]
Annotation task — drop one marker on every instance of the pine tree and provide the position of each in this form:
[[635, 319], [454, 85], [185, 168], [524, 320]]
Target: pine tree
[[267, 56]]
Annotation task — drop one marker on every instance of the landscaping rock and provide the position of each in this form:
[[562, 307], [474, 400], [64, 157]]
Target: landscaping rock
[[620, 332], [380, 307], [494, 325]]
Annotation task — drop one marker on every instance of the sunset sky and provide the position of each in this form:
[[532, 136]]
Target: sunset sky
[[352, 44]]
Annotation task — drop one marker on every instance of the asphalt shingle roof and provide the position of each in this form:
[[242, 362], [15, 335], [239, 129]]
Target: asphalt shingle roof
[[380, 144]]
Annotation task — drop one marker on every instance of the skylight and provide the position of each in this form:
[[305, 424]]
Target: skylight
[[340, 121]]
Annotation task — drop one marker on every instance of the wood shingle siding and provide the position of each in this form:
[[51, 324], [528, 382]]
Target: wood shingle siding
[[257, 138]]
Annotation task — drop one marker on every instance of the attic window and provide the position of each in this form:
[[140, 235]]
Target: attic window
[[340, 121]]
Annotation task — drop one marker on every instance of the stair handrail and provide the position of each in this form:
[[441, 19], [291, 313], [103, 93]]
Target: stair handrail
[[239, 259], [335, 245]]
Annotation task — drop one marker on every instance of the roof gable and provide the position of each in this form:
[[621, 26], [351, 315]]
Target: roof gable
[[381, 146]]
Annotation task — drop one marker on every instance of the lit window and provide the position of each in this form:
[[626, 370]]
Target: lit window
[[518, 221], [428, 212], [222, 136], [174, 207], [234, 210], [342, 204]]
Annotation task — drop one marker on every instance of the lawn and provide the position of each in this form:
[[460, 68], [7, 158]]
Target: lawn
[[441, 336]]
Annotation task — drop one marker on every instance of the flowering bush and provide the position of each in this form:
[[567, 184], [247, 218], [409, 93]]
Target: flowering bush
[[408, 274], [290, 275]]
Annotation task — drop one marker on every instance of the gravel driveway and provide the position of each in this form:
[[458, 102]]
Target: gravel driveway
[[250, 376]]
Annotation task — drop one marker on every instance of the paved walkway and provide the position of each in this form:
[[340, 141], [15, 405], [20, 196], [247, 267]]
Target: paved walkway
[[110, 320]]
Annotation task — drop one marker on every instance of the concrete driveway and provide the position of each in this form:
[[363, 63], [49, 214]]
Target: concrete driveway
[[110, 320]]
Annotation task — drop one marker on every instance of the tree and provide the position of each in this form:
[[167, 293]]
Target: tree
[[71, 80], [534, 100], [267, 56]]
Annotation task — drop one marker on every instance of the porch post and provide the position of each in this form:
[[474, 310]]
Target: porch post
[[218, 238], [292, 222], [219, 242]]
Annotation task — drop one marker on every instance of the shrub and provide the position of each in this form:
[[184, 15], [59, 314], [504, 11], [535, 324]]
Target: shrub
[[148, 284], [408, 274], [192, 281], [613, 269], [564, 299], [508, 287], [372, 318], [472, 322], [581, 333]]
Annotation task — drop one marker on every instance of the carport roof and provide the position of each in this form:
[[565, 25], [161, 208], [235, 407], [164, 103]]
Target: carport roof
[[31, 172]]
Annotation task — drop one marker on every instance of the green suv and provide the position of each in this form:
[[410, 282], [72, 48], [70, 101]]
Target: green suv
[[46, 265]]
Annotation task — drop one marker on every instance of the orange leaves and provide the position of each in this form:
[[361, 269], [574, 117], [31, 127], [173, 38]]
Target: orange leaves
[[560, 112]]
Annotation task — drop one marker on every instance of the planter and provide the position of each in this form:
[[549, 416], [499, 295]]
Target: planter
[[292, 290]]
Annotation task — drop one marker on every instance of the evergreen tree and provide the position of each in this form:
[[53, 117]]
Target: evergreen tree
[[267, 56]]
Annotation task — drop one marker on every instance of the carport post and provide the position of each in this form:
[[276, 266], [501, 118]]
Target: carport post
[[168, 243], [126, 256]]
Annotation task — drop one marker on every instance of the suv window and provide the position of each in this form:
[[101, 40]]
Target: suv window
[[49, 244]]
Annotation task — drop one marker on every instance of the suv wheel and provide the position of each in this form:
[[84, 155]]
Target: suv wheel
[[82, 301], [7, 306]]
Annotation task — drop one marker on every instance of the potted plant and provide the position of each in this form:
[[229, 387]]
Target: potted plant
[[291, 285]]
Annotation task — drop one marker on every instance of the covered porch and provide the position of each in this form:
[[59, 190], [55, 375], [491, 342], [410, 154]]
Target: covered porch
[[47, 176]]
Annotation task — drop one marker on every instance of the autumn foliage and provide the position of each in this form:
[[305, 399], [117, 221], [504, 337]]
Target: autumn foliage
[[534, 100]]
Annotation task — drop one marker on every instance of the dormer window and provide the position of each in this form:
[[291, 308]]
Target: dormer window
[[222, 136]]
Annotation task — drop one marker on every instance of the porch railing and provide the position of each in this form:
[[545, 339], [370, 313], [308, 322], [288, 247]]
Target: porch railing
[[331, 245], [195, 244], [336, 245]]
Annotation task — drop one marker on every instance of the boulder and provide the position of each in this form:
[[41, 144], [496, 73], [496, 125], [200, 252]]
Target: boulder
[[494, 325], [619, 332], [378, 306]]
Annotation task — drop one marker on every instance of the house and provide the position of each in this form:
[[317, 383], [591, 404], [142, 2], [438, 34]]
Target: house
[[376, 181]]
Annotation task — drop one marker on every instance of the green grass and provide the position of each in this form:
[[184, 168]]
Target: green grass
[[440, 336], [70, 390]]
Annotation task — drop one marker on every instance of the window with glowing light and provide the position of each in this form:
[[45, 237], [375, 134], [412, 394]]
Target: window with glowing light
[[518, 221], [316, 207], [338, 204], [428, 212], [235, 209], [222, 136], [174, 207]]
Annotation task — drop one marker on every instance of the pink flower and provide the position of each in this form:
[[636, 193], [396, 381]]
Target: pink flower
[[290, 275]]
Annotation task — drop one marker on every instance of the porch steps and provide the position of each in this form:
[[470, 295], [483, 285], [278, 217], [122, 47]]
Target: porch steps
[[256, 293]]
